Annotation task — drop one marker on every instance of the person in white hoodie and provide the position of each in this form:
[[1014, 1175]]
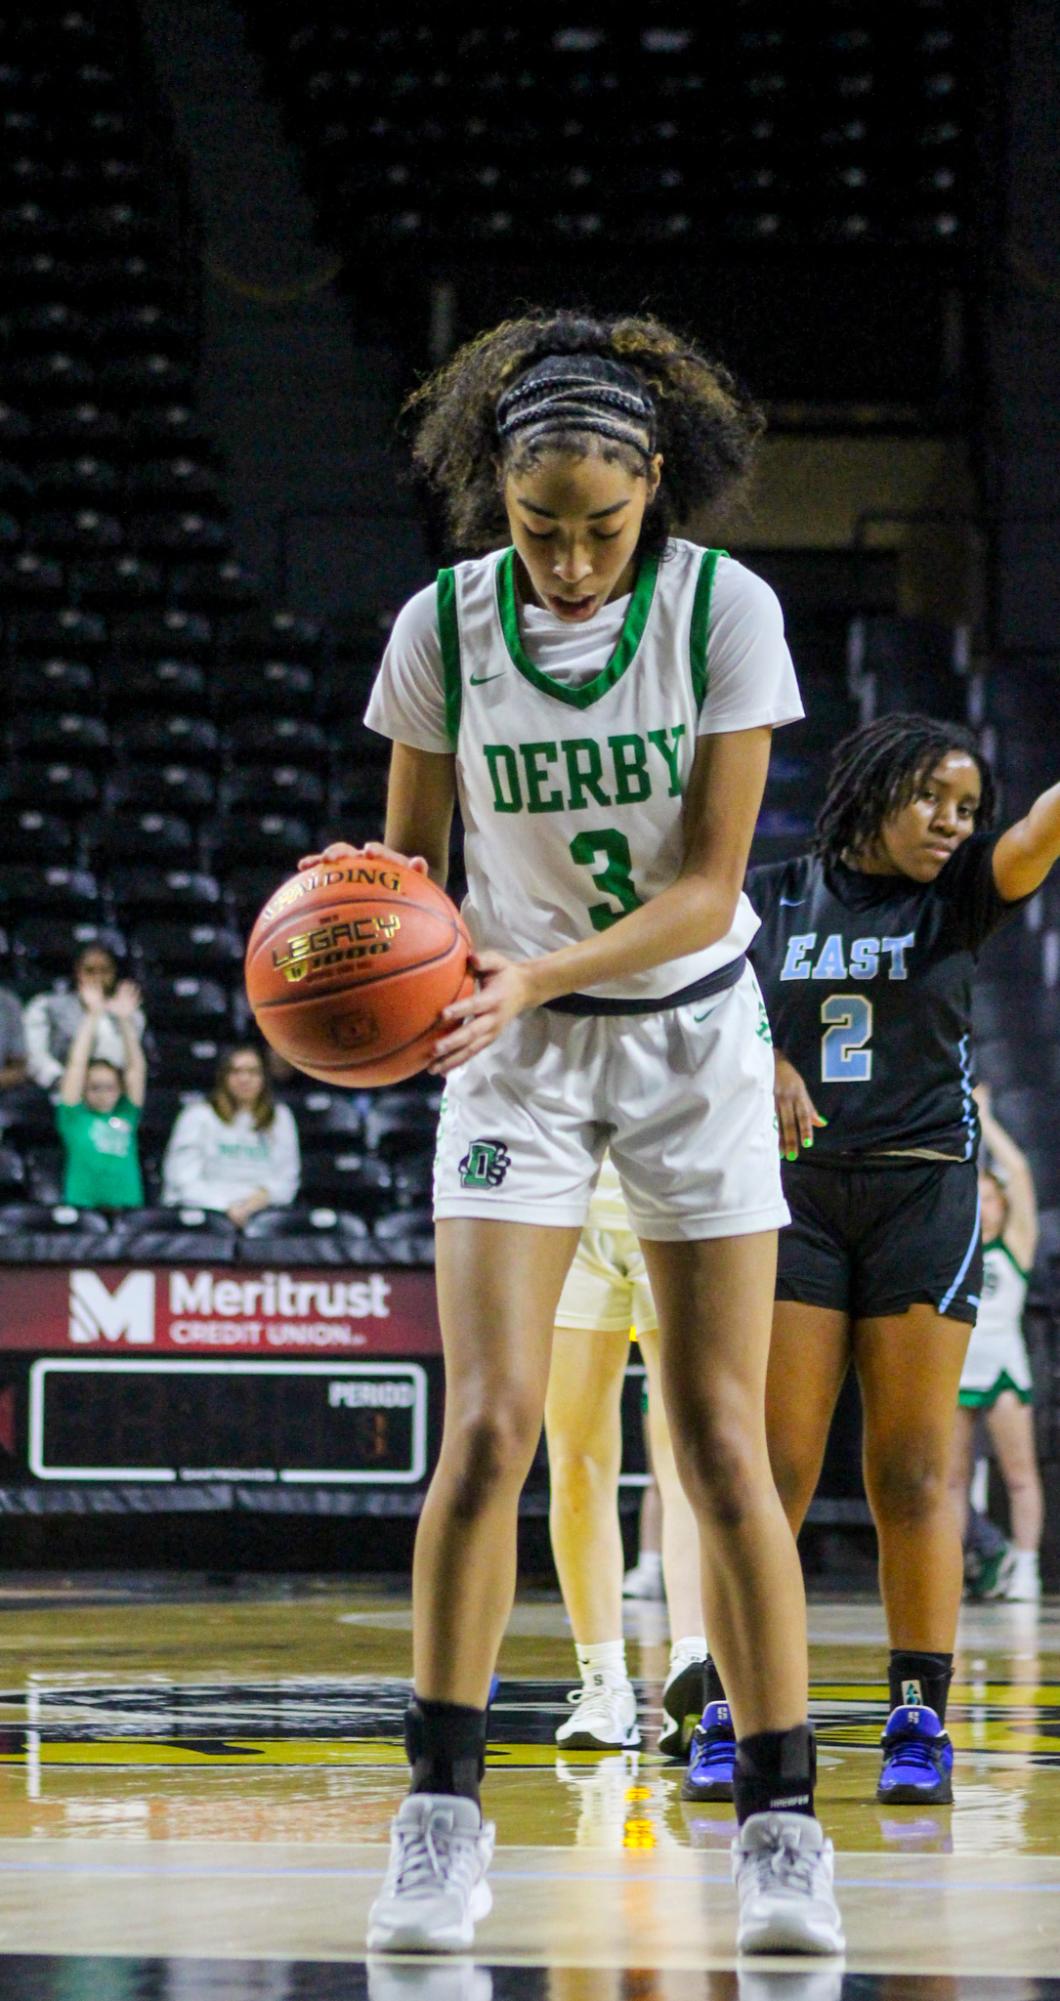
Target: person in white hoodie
[[236, 1150]]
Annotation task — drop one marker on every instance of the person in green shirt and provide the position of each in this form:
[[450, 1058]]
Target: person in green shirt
[[99, 1106]]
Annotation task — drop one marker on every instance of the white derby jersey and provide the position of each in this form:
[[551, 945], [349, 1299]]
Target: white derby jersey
[[572, 793]]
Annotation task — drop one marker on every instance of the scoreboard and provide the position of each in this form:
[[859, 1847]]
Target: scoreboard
[[294, 1423], [138, 1385]]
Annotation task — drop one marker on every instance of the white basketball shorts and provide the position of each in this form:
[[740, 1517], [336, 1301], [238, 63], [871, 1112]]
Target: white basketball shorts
[[683, 1098]]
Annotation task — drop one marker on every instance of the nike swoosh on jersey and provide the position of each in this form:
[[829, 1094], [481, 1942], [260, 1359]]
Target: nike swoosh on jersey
[[791, 902], [477, 680]]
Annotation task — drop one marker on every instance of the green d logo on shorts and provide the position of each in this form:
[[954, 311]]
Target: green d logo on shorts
[[485, 1164]]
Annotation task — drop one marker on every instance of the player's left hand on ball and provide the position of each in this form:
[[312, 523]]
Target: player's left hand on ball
[[341, 851], [502, 993]]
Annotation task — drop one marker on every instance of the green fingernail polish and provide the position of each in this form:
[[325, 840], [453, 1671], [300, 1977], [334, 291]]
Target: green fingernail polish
[[808, 1141], [792, 1156]]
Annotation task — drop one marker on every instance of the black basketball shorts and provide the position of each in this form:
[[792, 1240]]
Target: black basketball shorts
[[875, 1240]]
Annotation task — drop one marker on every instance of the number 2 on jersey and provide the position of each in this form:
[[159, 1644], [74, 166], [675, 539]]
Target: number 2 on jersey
[[615, 878], [845, 1055]]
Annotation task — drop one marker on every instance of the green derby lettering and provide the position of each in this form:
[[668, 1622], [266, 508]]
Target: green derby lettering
[[532, 755], [582, 773], [504, 777], [631, 769], [585, 770], [670, 751]]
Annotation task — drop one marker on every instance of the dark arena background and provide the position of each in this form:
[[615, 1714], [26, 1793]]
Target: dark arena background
[[233, 237]]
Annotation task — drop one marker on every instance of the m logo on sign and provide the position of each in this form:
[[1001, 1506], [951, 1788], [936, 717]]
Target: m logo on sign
[[127, 1314], [485, 1164]]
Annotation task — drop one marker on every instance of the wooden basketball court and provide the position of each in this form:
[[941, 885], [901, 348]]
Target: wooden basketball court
[[196, 1784]]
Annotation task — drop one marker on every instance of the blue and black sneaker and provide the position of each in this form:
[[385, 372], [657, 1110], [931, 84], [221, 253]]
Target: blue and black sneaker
[[712, 1757], [917, 1760]]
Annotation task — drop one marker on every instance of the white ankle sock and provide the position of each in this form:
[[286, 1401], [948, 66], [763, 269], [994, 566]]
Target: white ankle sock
[[604, 1657]]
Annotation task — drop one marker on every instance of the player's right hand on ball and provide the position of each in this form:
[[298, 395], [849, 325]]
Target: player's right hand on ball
[[797, 1115], [341, 851]]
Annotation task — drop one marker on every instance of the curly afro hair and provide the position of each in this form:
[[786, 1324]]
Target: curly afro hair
[[706, 431]]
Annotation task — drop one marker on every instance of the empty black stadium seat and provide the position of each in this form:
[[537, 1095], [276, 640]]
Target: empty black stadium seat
[[275, 740], [265, 635], [284, 788], [185, 1049], [190, 946], [166, 739], [183, 789], [180, 685], [278, 687], [53, 940], [28, 835], [306, 1235], [260, 838], [167, 633], [34, 886], [58, 683], [50, 1233], [112, 839], [55, 788], [115, 582], [67, 631], [160, 1235], [186, 1002], [406, 1236], [61, 738], [147, 889]]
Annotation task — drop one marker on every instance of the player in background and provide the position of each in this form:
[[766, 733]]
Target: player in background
[[996, 1382], [866, 953], [600, 694], [605, 1294]]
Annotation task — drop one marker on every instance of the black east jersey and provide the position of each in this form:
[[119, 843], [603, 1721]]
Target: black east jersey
[[867, 979]]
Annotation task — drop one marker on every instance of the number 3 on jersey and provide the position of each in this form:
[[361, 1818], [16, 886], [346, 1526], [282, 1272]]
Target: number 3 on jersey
[[615, 878], [845, 1054]]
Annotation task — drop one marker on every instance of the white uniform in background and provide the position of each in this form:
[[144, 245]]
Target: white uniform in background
[[997, 1352]]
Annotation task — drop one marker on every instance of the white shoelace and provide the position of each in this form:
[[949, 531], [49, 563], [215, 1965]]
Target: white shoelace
[[434, 1854], [786, 1861]]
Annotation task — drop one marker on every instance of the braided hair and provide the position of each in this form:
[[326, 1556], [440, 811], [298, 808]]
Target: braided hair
[[878, 769], [465, 444]]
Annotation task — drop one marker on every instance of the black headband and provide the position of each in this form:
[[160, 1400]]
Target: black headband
[[580, 392]]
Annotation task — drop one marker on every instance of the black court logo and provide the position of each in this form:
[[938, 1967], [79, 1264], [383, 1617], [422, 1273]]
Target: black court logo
[[485, 1164]]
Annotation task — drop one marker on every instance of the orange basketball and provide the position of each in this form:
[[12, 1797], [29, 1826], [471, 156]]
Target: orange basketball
[[349, 966]]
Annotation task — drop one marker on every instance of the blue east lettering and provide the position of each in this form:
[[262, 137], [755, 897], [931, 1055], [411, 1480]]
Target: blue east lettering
[[831, 962]]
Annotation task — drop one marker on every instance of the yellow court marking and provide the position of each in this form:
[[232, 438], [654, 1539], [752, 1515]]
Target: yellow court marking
[[249, 1752]]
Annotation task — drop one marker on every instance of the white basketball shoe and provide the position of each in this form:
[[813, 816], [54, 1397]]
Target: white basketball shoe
[[603, 1717], [435, 1888], [782, 1866]]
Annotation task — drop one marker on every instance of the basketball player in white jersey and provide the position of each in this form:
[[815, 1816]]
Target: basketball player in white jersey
[[599, 695], [996, 1379]]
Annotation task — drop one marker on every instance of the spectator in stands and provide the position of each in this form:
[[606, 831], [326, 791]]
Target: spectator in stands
[[51, 1020], [238, 1149], [99, 1105], [12, 1041]]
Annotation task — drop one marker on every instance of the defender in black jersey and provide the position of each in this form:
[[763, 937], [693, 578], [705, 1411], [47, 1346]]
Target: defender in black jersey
[[866, 956]]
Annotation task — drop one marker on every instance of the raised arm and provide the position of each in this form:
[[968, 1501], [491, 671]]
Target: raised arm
[[72, 1088], [1027, 850], [125, 1009], [1021, 1224]]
